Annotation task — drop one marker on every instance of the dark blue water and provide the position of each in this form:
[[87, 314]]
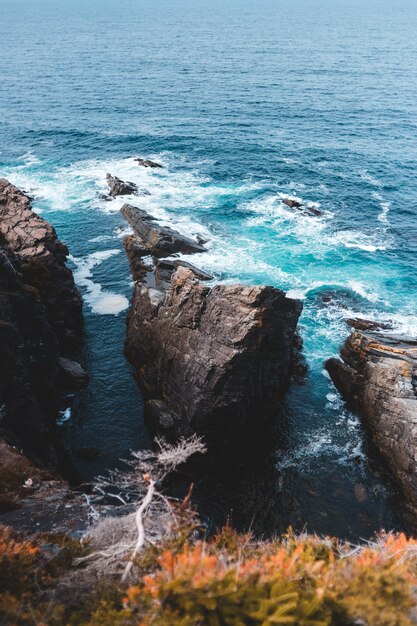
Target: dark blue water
[[244, 103]]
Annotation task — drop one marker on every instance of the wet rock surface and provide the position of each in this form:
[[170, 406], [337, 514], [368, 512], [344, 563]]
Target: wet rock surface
[[119, 187], [308, 209], [209, 359], [378, 377], [362, 324], [153, 239], [40, 321], [148, 163]]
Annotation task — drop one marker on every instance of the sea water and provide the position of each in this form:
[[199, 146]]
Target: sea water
[[245, 104]]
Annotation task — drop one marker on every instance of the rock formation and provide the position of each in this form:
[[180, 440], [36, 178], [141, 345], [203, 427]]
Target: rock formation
[[308, 209], [361, 324], [148, 163], [208, 358], [119, 187], [32, 499], [40, 321], [153, 239], [378, 377]]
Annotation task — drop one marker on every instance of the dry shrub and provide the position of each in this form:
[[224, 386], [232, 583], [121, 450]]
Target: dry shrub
[[305, 581]]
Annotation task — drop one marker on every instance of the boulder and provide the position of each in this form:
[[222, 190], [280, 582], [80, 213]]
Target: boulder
[[153, 239], [377, 376], [209, 359], [119, 187]]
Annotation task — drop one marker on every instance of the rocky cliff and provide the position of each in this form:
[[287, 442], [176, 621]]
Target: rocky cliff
[[208, 358], [378, 377], [40, 322]]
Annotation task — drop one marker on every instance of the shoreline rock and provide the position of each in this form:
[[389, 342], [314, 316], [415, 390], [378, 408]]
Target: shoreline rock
[[209, 359], [40, 322], [361, 324], [378, 378]]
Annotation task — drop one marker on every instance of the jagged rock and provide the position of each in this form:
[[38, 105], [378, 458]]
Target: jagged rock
[[119, 187], [293, 204], [378, 378], [153, 239], [361, 324], [40, 257], [32, 500], [148, 163], [308, 209], [210, 359], [40, 319], [71, 375], [18, 477], [164, 268]]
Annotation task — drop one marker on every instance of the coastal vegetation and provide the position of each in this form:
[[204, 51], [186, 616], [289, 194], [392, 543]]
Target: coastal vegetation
[[229, 579]]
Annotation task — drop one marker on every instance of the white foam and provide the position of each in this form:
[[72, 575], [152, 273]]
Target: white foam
[[385, 206], [360, 288], [64, 417], [383, 216], [307, 203], [100, 301], [359, 240], [366, 176]]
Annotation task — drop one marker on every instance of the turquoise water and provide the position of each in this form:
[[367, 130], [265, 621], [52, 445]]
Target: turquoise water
[[244, 103]]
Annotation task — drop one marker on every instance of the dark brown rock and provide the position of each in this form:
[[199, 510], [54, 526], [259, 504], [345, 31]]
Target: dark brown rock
[[119, 187], [210, 359], [378, 378], [164, 268], [40, 262], [40, 319], [71, 375], [32, 500], [293, 204], [361, 324], [19, 478], [305, 208], [148, 163], [153, 239]]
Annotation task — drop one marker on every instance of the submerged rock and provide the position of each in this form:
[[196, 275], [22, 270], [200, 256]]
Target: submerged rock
[[40, 320], [119, 187], [153, 239], [378, 377]]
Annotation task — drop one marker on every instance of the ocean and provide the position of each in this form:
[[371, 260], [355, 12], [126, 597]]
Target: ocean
[[245, 104]]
